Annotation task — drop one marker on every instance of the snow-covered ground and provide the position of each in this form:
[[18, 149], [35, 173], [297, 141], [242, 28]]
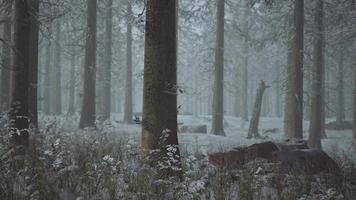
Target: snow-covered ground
[[338, 142]]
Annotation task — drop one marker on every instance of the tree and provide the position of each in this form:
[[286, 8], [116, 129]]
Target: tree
[[33, 61], [340, 100], [19, 112], [106, 101], [315, 129], [253, 130], [354, 103], [87, 117], [57, 97], [218, 107], [47, 80], [128, 86], [159, 124], [295, 115], [6, 58], [244, 84], [71, 101]]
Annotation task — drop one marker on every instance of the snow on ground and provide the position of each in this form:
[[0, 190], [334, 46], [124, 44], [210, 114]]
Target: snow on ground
[[338, 142]]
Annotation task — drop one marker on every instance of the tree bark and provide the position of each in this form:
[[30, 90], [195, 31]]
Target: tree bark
[[19, 115], [6, 59], [244, 84], [57, 97], [128, 87], [295, 120], [340, 105], [218, 102], [354, 103], [315, 128], [253, 130], [33, 62], [71, 101], [47, 80], [87, 117], [106, 107], [160, 78], [288, 95]]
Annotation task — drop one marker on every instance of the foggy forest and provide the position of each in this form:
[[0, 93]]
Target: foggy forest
[[178, 99]]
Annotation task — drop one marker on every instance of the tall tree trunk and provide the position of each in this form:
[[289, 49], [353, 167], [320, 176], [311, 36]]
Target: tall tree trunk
[[128, 87], [278, 112], [340, 105], [218, 101], [106, 107], [288, 75], [6, 59], [71, 100], [316, 72], [244, 84], [87, 117], [354, 103], [159, 126], [295, 124], [33, 62], [19, 116], [253, 130], [57, 97], [47, 80]]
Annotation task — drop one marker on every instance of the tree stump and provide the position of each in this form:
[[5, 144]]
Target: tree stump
[[253, 130]]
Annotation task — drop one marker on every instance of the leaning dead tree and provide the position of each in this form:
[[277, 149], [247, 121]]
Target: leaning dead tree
[[253, 130]]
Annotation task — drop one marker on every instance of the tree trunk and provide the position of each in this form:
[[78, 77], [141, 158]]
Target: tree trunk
[[87, 117], [253, 130], [295, 120], [288, 95], [244, 84], [159, 125], [19, 116], [278, 112], [33, 62], [57, 102], [106, 107], [6, 59], [354, 103], [128, 87], [316, 72], [71, 100], [47, 80], [218, 102], [340, 105]]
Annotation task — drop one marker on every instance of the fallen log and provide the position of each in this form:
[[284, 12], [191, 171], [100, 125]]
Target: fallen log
[[288, 156]]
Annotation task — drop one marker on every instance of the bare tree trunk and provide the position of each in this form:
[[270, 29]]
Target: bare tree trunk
[[6, 59], [159, 125], [33, 62], [19, 115], [288, 95], [47, 80], [218, 102], [57, 97], [244, 84], [278, 111], [340, 105], [354, 103], [87, 117], [106, 107], [295, 124], [316, 72], [253, 130], [71, 100], [128, 88]]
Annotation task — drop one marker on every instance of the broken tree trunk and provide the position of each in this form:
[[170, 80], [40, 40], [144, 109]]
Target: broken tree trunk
[[253, 130]]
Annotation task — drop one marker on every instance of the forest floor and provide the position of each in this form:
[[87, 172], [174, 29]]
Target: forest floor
[[104, 163]]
